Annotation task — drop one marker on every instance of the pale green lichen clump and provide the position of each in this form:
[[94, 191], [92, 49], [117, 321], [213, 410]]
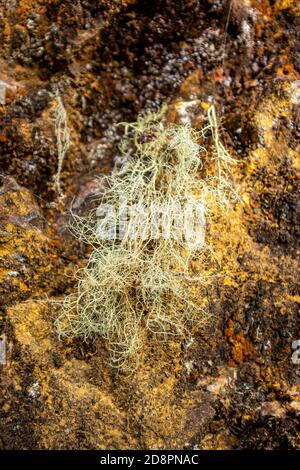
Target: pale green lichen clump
[[147, 285]]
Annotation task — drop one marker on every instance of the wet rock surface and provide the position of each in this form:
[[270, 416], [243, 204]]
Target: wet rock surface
[[236, 385]]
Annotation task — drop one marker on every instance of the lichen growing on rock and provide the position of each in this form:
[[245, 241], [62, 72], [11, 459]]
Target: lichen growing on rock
[[235, 384], [142, 280]]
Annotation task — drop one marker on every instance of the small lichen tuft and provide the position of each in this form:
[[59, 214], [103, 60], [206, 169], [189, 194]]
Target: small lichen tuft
[[62, 137]]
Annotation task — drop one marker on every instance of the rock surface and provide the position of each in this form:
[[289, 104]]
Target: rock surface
[[236, 385]]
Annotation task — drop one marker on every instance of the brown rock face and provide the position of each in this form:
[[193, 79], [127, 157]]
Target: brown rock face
[[236, 384]]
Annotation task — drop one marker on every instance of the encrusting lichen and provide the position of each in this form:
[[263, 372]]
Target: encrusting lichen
[[138, 283]]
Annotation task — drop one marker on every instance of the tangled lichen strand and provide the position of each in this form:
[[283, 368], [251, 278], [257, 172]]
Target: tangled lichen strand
[[62, 134], [138, 285]]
